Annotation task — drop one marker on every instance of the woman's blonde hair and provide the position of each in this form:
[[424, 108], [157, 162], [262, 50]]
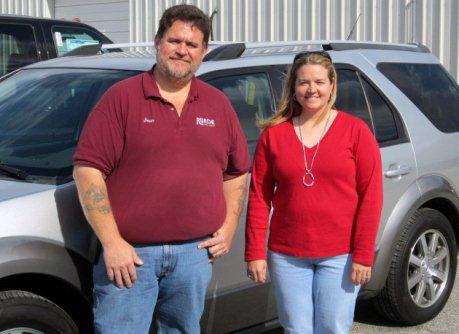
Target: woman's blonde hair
[[288, 106]]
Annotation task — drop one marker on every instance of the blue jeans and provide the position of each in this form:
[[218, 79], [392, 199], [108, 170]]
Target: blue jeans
[[313, 295], [172, 282]]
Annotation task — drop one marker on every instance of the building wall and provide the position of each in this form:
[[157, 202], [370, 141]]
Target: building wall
[[430, 22], [40, 8], [108, 16]]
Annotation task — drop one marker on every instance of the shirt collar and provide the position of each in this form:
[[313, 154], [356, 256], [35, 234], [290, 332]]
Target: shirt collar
[[151, 90]]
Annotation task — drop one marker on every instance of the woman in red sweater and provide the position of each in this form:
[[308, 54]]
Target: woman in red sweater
[[319, 170]]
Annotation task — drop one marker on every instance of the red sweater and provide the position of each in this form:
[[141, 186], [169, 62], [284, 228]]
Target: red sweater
[[339, 214]]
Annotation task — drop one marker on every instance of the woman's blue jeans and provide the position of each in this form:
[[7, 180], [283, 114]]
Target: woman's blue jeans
[[172, 282], [313, 295]]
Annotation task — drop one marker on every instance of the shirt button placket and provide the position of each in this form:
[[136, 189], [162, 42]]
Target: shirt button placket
[[179, 120]]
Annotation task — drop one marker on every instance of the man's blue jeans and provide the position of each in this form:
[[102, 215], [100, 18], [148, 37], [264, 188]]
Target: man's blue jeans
[[313, 295], [172, 282]]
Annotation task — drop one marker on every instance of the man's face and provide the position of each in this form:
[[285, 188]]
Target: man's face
[[180, 51]]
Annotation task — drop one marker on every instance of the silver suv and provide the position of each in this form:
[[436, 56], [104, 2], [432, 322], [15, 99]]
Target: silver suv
[[401, 91]]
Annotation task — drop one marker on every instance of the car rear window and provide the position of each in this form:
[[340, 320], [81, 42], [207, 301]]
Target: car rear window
[[17, 47], [42, 112], [67, 39], [430, 88]]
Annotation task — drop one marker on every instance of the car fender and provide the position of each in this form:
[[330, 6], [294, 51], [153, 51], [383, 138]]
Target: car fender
[[425, 188], [27, 255]]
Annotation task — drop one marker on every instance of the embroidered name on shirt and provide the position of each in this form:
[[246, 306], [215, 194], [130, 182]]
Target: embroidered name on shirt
[[205, 121], [148, 120]]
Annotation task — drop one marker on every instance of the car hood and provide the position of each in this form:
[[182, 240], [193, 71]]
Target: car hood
[[12, 189]]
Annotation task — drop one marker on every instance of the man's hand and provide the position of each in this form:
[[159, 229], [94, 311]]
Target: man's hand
[[120, 261], [220, 242], [234, 190], [256, 270], [119, 256], [360, 274]]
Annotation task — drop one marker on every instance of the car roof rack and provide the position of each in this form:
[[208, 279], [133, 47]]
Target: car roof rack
[[230, 50], [225, 52], [233, 51], [343, 46], [299, 46], [94, 49]]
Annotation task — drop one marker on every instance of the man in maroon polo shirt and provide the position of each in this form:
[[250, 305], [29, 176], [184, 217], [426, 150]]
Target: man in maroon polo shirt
[[161, 173]]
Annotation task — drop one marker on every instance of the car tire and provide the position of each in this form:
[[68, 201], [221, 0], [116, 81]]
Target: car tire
[[25, 312], [422, 270]]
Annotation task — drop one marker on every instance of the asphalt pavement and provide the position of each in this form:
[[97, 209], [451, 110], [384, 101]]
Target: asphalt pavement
[[368, 321], [447, 322]]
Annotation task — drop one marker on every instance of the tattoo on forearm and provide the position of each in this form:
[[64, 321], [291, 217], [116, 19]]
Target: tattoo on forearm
[[241, 200], [94, 194], [104, 209], [95, 199]]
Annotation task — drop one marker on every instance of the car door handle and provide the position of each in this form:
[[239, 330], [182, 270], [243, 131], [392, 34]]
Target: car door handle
[[397, 170]]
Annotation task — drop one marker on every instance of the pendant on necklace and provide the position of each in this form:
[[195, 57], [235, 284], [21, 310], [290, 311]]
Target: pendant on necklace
[[308, 179]]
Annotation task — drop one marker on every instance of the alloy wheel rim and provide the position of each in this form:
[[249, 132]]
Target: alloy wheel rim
[[22, 330], [428, 268]]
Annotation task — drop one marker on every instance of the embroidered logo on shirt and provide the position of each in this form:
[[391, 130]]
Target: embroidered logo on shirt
[[148, 120], [205, 121]]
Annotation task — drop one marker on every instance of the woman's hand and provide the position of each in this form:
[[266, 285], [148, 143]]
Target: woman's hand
[[360, 274], [256, 270]]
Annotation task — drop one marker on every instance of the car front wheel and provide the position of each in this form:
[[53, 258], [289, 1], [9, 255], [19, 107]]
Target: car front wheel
[[23, 312], [422, 271]]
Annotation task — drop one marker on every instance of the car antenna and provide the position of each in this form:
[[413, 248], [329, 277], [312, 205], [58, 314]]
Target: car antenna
[[215, 12], [353, 27]]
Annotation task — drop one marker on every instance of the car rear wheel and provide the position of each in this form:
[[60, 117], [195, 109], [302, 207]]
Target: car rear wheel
[[422, 271], [27, 313]]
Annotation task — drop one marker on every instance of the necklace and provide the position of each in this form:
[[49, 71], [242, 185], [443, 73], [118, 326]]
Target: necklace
[[308, 177]]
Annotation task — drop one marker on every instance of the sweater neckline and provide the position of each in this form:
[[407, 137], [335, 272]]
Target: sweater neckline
[[292, 127]]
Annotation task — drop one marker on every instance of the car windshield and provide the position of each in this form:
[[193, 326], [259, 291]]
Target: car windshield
[[42, 112]]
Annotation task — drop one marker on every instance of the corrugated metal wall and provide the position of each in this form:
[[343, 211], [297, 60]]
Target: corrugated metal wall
[[40, 8], [108, 16], [430, 22]]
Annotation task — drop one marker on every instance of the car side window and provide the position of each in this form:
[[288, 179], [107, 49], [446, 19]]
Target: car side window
[[18, 47], [351, 97], [430, 88], [251, 97], [68, 38], [383, 118]]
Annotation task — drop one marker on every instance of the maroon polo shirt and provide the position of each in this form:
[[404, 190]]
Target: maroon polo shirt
[[164, 172]]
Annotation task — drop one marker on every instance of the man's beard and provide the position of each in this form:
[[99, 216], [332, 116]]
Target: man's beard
[[171, 71]]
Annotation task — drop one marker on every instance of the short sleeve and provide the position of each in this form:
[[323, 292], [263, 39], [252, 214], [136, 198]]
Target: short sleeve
[[102, 139], [238, 157]]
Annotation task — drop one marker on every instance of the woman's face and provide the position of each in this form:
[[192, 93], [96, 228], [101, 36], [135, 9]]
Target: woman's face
[[313, 88]]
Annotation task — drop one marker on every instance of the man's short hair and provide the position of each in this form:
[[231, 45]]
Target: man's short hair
[[185, 13]]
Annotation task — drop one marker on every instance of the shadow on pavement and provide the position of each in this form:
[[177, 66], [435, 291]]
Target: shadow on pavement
[[366, 313]]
